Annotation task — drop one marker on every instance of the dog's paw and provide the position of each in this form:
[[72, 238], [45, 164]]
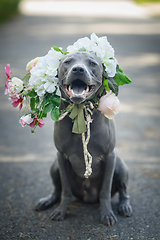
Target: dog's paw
[[58, 214], [46, 202], [125, 209], [108, 219]]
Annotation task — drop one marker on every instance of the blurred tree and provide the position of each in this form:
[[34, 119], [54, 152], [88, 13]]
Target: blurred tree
[[8, 8]]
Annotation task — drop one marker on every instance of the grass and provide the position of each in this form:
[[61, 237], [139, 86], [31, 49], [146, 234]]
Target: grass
[[8, 8]]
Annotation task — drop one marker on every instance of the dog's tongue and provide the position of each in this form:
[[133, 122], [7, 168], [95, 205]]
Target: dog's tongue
[[78, 87]]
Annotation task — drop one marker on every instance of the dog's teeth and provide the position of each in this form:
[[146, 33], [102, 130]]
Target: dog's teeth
[[87, 89], [82, 92], [69, 88]]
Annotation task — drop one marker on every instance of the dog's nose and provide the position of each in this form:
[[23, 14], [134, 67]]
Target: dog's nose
[[78, 70]]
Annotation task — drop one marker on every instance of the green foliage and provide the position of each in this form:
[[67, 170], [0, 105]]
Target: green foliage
[[32, 103], [121, 78], [113, 83], [55, 114], [8, 8], [32, 93], [147, 1], [48, 107], [59, 50], [26, 78], [51, 104]]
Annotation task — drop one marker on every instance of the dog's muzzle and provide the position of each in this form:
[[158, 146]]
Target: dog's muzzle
[[79, 87]]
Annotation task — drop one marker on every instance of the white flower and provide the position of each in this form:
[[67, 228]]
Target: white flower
[[110, 67], [50, 86], [44, 75], [101, 48], [18, 84], [32, 64], [40, 90], [80, 45], [52, 60], [104, 49], [109, 105], [14, 86], [24, 120]]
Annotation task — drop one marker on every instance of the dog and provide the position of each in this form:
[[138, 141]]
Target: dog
[[80, 77]]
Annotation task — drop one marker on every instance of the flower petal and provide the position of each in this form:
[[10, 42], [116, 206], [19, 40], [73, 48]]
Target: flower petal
[[8, 72]]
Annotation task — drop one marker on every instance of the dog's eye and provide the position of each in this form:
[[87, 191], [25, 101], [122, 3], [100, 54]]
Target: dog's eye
[[92, 63], [68, 62]]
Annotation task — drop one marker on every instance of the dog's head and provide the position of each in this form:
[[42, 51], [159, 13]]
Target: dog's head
[[80, 76]]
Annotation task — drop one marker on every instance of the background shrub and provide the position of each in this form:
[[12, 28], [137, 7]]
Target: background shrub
[[8, 8]]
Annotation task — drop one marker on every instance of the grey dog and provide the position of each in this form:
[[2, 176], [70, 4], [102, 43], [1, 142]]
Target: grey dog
[[80, 76]]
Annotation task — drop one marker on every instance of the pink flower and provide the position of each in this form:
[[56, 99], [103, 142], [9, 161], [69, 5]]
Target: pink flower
[[109, 105], [17, 100], [10, 90], [8, 72], [35, 122], [25, 120]]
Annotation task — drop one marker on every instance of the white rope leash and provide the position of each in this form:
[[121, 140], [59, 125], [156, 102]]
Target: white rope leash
[[62, 116], [87, 155]]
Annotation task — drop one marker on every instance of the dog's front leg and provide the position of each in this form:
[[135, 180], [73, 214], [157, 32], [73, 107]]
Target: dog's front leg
[[107, 215], [60, 212]]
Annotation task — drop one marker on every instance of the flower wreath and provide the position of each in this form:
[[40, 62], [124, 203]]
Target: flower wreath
[[37, 91]]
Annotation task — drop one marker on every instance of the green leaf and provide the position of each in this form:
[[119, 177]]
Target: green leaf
[[105, 73], [46, 99], [37, 100], [105, 83], [48, 107], [113, 86], [32, 103], [101, 91], [26, 78], [41, 114], [56, 101], [121, 78], [44, 115], [59, 50], [32, 93], [110, 84], [55, 114]]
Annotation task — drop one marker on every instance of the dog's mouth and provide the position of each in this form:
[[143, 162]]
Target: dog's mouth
[[78, 91]]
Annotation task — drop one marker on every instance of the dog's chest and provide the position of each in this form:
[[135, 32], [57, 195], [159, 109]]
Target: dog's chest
[[101, 143], [102, 136]]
